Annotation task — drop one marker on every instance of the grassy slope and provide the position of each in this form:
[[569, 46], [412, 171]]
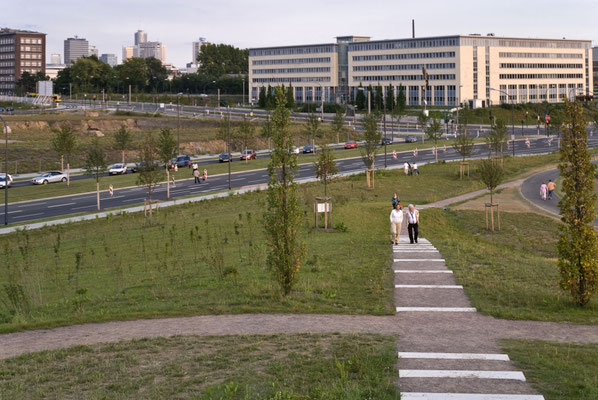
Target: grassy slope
[[560, 371], [507, 274], [224, 367]]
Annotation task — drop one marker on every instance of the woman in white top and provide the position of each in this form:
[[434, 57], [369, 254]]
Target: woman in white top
[[396, 220]]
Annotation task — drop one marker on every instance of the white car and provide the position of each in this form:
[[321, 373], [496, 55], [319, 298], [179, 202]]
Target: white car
[[296, 150], [117, 169], [3, 181], [49, 177]]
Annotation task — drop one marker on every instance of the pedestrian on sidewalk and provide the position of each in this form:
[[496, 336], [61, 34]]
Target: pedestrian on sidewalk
[[194, 166], [395, 200], [396, 220], [406, 168], [550, 187], [543, 189], [412, 223], [205, 174], [415, 170], [409, 169], [196, 176], [175, 168]]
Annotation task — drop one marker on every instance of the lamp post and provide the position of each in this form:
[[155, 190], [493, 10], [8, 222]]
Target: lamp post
[[178, 123], [243, 103], [228, 147], [5, 172], [512, 118]]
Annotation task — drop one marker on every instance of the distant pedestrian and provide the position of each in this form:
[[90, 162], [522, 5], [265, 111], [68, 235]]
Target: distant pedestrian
[[409, 169], [550, 187], [412, 223], [175, 168], [406, 168], [395, 200], [205, 175], [194, 166], [396, 220], [415, 170], [196, 176], [543, 189]]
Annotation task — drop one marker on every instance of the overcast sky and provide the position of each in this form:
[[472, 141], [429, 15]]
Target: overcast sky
[[110, 24]]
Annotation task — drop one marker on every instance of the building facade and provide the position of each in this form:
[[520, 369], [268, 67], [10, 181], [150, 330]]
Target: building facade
[[75, 48], [128, 52], [196, 49], [152, 49], [55, 58], [595, 68], [109, 59], [440, 71], [140, 37], [20, 51], [93, 51]]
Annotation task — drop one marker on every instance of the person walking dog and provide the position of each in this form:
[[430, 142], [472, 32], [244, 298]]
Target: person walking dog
[[412, 223], [396, 220]]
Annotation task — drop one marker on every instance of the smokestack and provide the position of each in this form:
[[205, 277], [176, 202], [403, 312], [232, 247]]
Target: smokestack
[[413, 28]]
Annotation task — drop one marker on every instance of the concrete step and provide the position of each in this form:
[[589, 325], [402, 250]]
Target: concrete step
[[424, 279], [465, 385], [431, 298]]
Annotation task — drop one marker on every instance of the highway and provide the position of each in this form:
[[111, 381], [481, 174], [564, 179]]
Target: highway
[[68, 205]]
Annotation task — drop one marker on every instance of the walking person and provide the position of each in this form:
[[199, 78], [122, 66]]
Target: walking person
[[412, 223], [550, 187], [396, 220], [194, 166], [175, 168], [395, 200], [409, 168], [205, 174], [406, 168], [543, 189], [196, 176], [415, 170]]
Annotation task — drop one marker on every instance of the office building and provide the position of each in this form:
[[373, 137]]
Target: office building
[[476, 69], [140, 37], [595, 68], [75, 48], [52, 70], [109, 59], [196, 49], [93, 51], [152, 49], [128, 52], [20, 51], [55, 58]]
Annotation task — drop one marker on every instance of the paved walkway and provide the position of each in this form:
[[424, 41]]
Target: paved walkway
[[468, 196]]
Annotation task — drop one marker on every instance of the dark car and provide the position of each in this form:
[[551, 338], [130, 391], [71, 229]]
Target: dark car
[[351, 145], [386, 140], [248, 155], [410, 139], [225, 157], [182, 161], [308, 148]]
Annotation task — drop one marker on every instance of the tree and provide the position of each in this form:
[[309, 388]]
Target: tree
[[399, 109], [156, 73], [422, 120], [95, 164], [283, 216], [464, 146], [497, 137], [166, 148], [401, 98], [372, 137], [491, 174], [312, 129], [270, 101], [434, 132], [63, 143], [360, 98], [290, 97], [578, 240], [134, 72], [27, 82], [338, 124], [379, 98], [245, 133], [390, 99], [220, 59], [261, 99], [148, 169], [325, 166], [122, 141]]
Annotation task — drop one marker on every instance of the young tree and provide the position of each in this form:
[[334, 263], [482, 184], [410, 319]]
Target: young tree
[[122, 141], [95, 164], [578, 240], [398, 111], [434, 132], [63, 143], [269, 97], [464, 146], [261, 99], [360, 98], [491, 174], [390, 99], [290, 97], [245, 133], [325, 166], [422, 120], [379, 98], [149, 173], [338, 124], [312, 129], [266, 131], [401, 98], [372, 137], [283, 216], [497, 137], [167, 147]]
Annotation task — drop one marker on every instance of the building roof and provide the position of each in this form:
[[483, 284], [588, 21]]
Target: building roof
[[10, 31]]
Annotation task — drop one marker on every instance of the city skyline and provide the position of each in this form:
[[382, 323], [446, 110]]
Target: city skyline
[[231, 22]]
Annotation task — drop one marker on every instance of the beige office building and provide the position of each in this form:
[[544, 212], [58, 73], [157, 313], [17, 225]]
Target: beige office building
[[474, 69]]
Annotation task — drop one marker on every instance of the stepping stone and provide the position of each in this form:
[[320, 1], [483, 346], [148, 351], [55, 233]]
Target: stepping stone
[[467, 396], [444, 373]]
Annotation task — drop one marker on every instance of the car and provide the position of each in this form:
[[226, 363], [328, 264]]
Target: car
[[410, 139], [5, 182], [117, 169], [225, 157], [248, 155], [351, 145], [2, 109], [296, 150], [386, 140], [182, 161], [308, 148], [49, 177]]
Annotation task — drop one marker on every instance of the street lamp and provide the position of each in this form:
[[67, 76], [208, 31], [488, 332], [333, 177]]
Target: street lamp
[[5, 172], [243, 104], [178, 123], [512, 118]]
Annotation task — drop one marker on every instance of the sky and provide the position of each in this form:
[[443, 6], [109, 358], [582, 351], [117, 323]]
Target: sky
[[111, 24]]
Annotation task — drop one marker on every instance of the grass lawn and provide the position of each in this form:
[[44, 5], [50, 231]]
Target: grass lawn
[[508, 274], [560, 371], [276, 367]]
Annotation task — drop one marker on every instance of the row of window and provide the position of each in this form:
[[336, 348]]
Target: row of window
[[547, 44], [7, 71], [432, 77], [7, 63], [27, 40], [290, 79], [31, 48], [540, 65], [31, 71], [31, 63], [403, 44], [403, 67], [31, 56], [311, 60], [539, 55], [7, 40], [307, 70], [7, 56], [541, 76], [9, 78], [7, 48], [292, 50], [406, 56]]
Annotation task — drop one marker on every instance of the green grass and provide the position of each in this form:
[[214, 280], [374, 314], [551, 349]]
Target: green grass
[[508, 274], [560, 371], [274, 367]]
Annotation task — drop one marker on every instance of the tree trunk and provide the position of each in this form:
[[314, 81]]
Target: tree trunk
[[167, 185], [62, 163], [68, 174], [98, 193], [123, 154], [150, 203]]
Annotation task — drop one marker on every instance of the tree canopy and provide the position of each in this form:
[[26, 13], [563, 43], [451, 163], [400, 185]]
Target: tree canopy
[[220, 59]]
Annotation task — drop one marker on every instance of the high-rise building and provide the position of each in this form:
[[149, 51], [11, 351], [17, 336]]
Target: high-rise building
[[140, 37], [152, 49], [20, 51], [109, 59], [93, 51], [128, 52], [55, 58], [75, 48], [196, 49], [443, 71], [595, 68]]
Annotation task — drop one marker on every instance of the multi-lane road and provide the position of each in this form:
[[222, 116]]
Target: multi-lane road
[[80, 203]]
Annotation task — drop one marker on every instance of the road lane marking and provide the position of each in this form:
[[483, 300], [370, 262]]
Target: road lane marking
[[28, 215], [61, 205]]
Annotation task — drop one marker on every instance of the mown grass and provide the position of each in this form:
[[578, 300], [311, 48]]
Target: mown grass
[[508, 274], [560, 371], [274, 367]]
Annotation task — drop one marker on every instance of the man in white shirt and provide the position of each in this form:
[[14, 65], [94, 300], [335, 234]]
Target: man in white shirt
[[415, 170], [406, 168], [412, 223], [396, 220]]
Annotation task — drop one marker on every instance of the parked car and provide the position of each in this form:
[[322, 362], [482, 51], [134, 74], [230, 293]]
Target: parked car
[[182, 161], [351, 145], [296, 150], [117, 169], [308, 148], [49, 177], [386, 140], [248, 155], [225, 157], [410, 139], [2, 109], [5, 182]]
